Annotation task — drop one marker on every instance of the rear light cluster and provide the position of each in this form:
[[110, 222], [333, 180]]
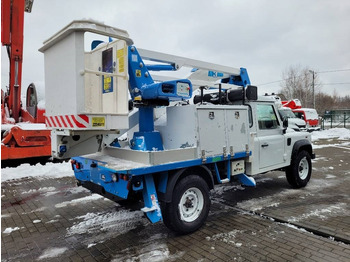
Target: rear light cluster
[[75, 164], [124, 177]]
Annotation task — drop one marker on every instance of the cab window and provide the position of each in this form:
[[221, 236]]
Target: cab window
[[267, 118]]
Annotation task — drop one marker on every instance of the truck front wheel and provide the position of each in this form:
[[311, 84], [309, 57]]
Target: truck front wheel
[[189, 207], [299, 172]]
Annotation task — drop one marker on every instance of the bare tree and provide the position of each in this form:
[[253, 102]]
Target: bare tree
[[298, 83]]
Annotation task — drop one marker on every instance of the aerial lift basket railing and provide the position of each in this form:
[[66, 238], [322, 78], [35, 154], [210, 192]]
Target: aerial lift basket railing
[[88, 89]]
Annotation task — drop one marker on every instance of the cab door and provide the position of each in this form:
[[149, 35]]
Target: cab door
[[270, 137]]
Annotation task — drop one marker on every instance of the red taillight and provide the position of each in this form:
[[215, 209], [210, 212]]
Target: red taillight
[[77, 165], [73, 162], [124, 177]]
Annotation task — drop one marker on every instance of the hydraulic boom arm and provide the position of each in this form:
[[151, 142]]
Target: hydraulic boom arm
[[12, 37]]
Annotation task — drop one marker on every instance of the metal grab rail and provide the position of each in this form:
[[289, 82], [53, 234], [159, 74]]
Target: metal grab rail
[[87, 26]]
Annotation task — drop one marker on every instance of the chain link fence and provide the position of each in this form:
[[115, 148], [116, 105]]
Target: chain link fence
[[336, 118]]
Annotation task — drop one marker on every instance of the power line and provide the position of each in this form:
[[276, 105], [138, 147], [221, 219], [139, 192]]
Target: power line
[[331, 71], [272, 82], [345, 83], [319, 72]]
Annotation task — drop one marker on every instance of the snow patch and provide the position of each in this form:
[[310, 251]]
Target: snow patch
[[258, 204], [74, 202], [219, 190], [322, 213], [294, 227], [113, 222], [314, 186], [41, 209], [50, 170], [52, 221], [9, 230], [340, 133], [52, 252], [228, 237], [41, 190], [154, 252], [36, 221]]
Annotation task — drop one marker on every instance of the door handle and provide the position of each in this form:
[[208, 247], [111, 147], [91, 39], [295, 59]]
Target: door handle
[[265, 145]]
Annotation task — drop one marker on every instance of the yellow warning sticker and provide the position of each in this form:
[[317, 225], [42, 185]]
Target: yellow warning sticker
[[98, 121], [107, 84], [138, 73], [120, 53], [121, 60]]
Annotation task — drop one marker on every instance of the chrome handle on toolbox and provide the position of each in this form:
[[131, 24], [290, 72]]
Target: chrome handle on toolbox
[[265, 145]]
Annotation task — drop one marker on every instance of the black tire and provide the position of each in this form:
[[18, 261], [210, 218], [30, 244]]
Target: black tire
[[299, 172], [193, 191]]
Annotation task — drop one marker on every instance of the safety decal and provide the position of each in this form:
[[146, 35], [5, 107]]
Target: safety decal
[[107, 84], [138, 73], [98, 121], [121, 60], [68, 121]]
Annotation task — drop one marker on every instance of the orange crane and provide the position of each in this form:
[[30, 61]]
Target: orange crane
[[23, 131]]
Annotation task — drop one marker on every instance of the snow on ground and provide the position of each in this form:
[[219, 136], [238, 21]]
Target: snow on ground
[[221, 189], [79, 201], [258, 203], [9, 230], [101, 226], [52, 252], [151, 252], [151, 248], [227, 237], [120, 222], [322, 212], [314, 186], [340, 133], [41, 190], [50, 170]]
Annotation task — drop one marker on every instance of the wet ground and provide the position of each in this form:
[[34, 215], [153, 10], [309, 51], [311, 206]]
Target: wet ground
[[50, 219]]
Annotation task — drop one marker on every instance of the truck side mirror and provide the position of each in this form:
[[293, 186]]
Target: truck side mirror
[[251, 92], [285, 124]]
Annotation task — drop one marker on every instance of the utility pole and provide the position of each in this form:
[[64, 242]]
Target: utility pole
[[313, 86]]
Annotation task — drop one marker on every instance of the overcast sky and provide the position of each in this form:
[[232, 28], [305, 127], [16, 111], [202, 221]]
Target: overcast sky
[[264, 36]]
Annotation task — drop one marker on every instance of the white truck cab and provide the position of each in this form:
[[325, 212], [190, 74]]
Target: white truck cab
[[273, 146]]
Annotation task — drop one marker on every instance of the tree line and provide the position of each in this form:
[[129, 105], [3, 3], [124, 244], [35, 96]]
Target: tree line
[[302, 83]]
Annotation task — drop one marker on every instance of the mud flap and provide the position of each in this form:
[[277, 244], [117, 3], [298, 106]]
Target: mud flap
[[152, 208], [246, 180]]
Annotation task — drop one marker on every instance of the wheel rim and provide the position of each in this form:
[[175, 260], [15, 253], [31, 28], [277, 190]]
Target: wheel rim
[[303, 168], [191, 204]]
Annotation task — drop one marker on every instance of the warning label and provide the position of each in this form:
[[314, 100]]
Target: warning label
[[98, 121], [121, 60]]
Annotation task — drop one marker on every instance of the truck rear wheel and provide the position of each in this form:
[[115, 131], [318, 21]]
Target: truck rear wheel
[[189, 207], [299, 172]]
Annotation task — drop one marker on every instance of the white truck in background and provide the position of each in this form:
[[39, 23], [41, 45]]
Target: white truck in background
[[295, 123], [228, 133]]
